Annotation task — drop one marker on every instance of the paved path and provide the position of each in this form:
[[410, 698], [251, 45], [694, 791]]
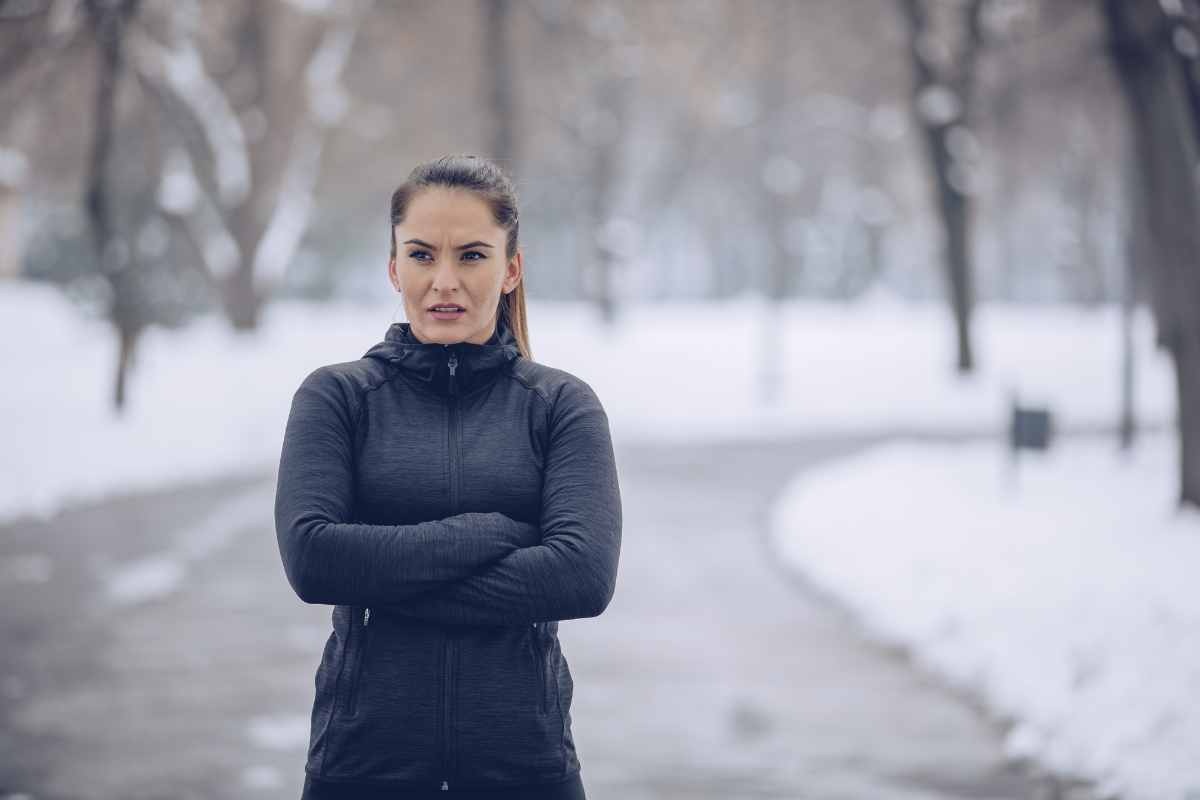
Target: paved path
[[152, 649]]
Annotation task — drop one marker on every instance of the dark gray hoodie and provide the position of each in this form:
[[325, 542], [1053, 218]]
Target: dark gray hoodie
[[452, 502]]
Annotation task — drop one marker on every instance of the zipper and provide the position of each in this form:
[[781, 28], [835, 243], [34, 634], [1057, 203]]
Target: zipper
[[447, 722], [447, 645], [539, 667], [352, 700]]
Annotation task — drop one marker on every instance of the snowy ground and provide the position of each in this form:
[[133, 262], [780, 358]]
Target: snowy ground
[[205, 402], [1063, 594]]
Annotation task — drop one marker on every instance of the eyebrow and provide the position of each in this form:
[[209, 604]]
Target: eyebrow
[[476, 243]]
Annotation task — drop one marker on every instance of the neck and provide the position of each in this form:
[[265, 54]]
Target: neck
[[492, 337]]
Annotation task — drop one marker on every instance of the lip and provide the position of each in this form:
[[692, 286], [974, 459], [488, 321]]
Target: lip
[[447, 315]]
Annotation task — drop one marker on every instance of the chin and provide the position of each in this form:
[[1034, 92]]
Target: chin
[[441, 333]]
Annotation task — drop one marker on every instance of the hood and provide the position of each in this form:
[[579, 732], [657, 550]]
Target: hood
[[429, 363]]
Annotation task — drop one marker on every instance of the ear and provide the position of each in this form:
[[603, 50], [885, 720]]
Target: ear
[[391, 269], [515, 272]]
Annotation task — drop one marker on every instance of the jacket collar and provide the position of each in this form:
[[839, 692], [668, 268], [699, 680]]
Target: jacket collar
[[474, 364]]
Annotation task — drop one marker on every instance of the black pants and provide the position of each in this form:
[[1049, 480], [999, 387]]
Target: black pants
[[571, 789]]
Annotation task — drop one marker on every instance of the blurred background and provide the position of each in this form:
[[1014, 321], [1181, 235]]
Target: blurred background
[[894, 306]]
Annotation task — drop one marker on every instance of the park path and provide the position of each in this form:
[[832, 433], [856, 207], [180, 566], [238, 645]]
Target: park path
[[153, 649]]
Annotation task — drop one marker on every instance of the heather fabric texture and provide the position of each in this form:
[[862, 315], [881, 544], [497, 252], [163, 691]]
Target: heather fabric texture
[[452, 503]]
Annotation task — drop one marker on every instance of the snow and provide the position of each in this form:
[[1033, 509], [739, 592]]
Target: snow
[[318, 7], [938, 105], [205, 401], [327, 99], [782, 175], [962, 144], [875, 207], [735, 108], [887, 123], [178, 190], [1062, 593], [14, 168], [289, 220]]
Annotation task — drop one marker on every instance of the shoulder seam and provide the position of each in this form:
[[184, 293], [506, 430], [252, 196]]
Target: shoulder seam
[[362, 398], [361, 391], [537, 390]]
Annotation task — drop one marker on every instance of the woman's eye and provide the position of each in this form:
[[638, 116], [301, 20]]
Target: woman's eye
[[474, 253], [418, 254]]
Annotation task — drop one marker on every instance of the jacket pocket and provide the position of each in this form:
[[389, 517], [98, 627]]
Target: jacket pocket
[[386, 722], [362, 623], [501, 734], [539, 666]]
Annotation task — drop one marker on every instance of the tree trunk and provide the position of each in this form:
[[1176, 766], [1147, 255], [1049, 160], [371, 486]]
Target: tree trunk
[[10, 231], [778, 278], [955, 222], [108, 20], [1187, 375], [951, 199], [499, 78], [250, 217], [1166, 138], [613, 97], [126, 343], [1128, 416], [242, 303]]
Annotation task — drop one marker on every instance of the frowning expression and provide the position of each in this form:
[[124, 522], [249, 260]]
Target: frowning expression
[[450, 266]]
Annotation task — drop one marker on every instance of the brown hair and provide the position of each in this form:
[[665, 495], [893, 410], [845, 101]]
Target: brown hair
[[493, 185]]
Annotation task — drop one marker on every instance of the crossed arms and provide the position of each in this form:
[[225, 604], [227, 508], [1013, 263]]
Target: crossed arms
[[474, 568]]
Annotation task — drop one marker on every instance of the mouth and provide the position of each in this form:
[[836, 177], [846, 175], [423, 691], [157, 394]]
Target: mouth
[[446, 311]]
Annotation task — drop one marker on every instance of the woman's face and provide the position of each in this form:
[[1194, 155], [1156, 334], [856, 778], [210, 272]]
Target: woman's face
[[450, 252]]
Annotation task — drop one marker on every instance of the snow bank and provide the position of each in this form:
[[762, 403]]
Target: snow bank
[[1063, 594]]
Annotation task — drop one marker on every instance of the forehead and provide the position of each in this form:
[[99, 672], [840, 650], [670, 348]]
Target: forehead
[[449, 212]]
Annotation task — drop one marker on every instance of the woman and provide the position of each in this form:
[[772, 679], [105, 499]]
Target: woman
[[452, 499]]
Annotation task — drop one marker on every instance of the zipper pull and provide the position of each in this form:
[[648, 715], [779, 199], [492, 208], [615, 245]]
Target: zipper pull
[[366, 617], [445, 785], [452, 363]]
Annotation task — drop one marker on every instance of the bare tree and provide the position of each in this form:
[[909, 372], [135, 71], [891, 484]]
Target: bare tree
[[254, 163], [775, 173], [594, 113], [1146, 43], [944, 81], [108, 21]]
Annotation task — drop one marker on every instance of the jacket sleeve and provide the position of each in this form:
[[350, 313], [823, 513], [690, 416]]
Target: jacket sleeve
[[329, 559], [572, 572]]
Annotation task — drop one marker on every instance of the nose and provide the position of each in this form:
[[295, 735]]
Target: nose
[[445, 275]]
